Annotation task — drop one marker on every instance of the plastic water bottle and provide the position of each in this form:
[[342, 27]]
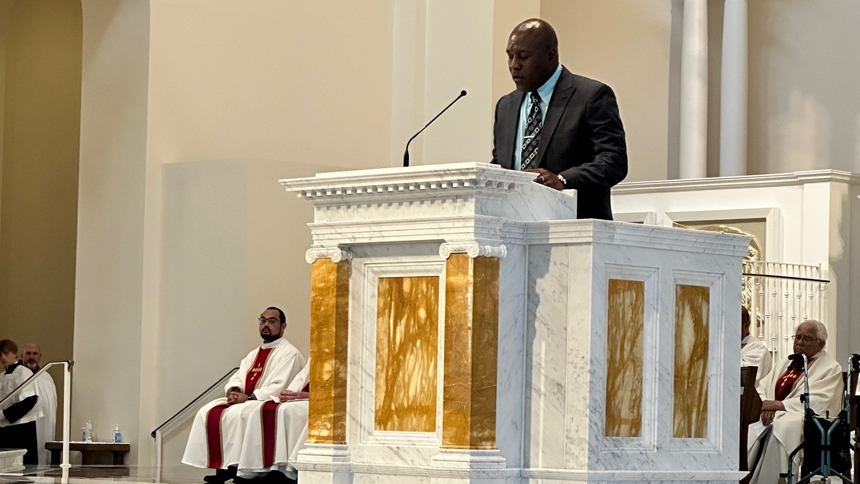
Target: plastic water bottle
[[88, 432], [117, 437]]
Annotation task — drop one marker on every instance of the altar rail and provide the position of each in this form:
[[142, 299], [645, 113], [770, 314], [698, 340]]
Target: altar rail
[[781, 296]]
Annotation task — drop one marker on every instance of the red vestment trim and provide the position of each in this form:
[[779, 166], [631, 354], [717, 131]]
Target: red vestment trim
[[269, 422], [213, 436], [786, 383], [256, 370]]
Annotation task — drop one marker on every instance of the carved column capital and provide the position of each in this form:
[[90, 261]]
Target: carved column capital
[[336, 254], [473, 248]]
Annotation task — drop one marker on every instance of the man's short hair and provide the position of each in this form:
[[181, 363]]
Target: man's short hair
[[8, 346], [280, 313], [745, 317]]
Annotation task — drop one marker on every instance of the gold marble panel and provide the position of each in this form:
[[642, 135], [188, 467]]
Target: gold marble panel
[[690, 410], [407, 334], [471, 352], [624, 350], [329, 325]]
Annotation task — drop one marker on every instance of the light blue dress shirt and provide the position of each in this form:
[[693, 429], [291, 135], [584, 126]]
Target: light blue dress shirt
[[545, 93]]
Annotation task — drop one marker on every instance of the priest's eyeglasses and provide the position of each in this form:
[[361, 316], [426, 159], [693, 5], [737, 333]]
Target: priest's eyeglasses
[[804, 338], [269, 320]]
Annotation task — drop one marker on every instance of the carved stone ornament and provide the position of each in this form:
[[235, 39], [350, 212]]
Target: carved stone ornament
[[336, 254], [473, 248]]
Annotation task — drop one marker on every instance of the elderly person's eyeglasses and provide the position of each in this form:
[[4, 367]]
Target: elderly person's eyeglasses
[[804, 338]]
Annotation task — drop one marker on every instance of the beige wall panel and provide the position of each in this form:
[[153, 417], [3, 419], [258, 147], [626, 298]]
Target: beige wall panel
[[625, 44], [407, 332], [624, 344], [690, 410], [40, 143], [804, 105]]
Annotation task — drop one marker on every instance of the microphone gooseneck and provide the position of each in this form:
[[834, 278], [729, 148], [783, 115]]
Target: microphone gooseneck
[[406, 153]]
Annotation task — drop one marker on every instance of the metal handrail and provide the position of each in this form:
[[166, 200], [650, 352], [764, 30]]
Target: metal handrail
[[67, 401], [793, 278], [156, 434], [192, 402]]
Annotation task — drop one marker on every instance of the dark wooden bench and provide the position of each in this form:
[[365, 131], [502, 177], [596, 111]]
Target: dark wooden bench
[[750, 413], [89, 451]]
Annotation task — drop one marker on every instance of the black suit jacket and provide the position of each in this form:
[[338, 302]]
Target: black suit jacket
[[582, 140]]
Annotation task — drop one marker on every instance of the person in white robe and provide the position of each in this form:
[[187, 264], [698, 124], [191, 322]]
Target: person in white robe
[[47, 403], [780, 429], [275, 433], [219, 427], [753, 351], [18, 415]]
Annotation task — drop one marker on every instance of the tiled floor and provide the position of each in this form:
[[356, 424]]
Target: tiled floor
[[100, 474]]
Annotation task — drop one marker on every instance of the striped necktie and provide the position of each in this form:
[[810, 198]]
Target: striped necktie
[[531, 139]]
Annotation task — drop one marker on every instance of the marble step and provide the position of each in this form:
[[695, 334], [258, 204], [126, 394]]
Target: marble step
[[12, 460]]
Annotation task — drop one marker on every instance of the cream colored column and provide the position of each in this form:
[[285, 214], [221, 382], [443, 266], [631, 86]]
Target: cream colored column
[[694, 90], [733, 90]]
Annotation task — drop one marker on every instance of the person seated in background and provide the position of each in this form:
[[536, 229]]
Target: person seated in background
[[275, 434], [18, 416], [753, 351], [47, 403], [780, 430], [218, 429]]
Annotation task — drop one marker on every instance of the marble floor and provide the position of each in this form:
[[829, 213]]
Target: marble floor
[[99, 474]]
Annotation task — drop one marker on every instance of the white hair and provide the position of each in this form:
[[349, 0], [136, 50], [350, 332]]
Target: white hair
[[820, 329]]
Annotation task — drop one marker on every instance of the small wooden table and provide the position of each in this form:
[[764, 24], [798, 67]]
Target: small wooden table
[[89, 450]]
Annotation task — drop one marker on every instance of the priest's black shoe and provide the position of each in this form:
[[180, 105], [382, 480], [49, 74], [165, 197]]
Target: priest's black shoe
[[221, 475]]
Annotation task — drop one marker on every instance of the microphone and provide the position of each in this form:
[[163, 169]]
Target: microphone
[[796, 356], [406, 154]]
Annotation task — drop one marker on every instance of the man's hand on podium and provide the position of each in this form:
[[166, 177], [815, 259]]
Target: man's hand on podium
[[547, 178]]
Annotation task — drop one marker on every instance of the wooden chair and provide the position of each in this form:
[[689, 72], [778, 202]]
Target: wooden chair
[[750, 412]]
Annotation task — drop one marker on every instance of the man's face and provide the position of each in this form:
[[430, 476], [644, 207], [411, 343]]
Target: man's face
[[530, 62], [32, 356], [271, 327], [8, 359], [806, 340]]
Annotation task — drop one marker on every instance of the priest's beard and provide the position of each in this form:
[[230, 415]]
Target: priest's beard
[[267, 335]]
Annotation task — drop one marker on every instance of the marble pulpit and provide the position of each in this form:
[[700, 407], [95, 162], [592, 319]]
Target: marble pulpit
[[465, 327]]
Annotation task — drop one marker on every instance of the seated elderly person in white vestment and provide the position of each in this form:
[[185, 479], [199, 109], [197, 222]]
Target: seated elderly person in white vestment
[[18, 416], [218, 429], [753, 351], [275, 434], [47, 403], [780, 430]]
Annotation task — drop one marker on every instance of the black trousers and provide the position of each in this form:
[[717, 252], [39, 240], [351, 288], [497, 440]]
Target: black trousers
[[21, 436]]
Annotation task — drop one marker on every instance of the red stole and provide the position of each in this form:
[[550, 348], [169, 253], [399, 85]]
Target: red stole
[[256, 370], [269, 423], [786, 381], [213, 417]]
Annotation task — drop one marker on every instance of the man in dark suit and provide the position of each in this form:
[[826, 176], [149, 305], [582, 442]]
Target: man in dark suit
[[561, 126]]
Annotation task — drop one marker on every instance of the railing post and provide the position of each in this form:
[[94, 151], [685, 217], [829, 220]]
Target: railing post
[[158, 456], [67, 405]]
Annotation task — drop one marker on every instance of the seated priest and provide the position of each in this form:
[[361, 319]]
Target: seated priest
[[18, 416], [218, 429], [275, 434], [753, 351], [47, 392], [780, 430]]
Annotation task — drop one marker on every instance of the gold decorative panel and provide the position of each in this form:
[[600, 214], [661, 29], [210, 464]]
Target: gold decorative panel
[[329, 322], [407, 334], [471, 352], [690, 413], [624, 350]]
